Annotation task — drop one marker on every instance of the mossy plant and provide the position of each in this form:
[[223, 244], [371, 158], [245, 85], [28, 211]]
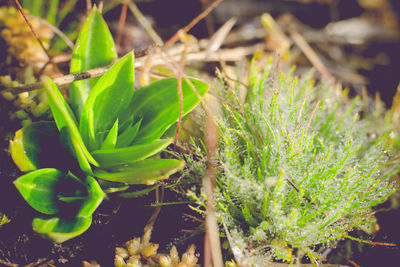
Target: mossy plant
[[297, 168]]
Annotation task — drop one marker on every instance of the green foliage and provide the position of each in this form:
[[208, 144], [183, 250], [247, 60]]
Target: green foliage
[[297, 167], [49, 9], [60, 230], [112, 132], [94, 48], [52, 192]]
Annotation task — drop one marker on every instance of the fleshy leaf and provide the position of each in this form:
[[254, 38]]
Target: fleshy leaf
[[39, 143], [126, 138], [138, 193], [107, 101], [38, 189], [118, 156], [93, 200], [60, 230], [94, 48], [158, 105], [111, 138], [33, 146], [64, 117], [25, 157], [141, 172]]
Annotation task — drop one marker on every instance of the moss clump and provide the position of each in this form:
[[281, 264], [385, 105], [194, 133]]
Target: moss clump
[[297, 168]]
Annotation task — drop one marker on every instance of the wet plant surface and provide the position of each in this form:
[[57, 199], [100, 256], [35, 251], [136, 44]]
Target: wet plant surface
[[370, 64]]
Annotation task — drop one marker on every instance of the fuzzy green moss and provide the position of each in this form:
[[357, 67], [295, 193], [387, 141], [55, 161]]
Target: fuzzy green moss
[[297, 168]]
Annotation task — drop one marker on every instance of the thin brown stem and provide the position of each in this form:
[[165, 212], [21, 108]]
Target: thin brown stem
[[159, 199], [212, 241], [294, 186], [301, 111], [121, 23], [312, 115], [180, 93], [31, 27], [146, 25], [55, 30], [312, 56], [196, 20], [69, 78]]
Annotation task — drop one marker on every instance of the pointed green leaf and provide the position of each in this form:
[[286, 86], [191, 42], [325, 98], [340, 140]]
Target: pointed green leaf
[[158, 104], [111, 138], [112, 157], [127, 123], [93, 200], [64, 117], [109, 187], [94, 48], [72, 144], [38, 189], [138, 193], [60, 230], [126, 138], [107, 101], [141, 172], [70, 199]]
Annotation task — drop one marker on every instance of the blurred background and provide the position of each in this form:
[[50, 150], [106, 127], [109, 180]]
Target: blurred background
[[355, 43]]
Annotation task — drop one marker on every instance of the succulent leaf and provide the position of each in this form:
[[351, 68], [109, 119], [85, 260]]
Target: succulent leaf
[[158, 104], [60, 230], [107, 101], [38, 189], [119, 156], [145, 171], [64, 117]]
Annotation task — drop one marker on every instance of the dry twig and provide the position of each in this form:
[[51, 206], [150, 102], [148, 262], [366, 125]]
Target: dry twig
[[196, 20], [146, 25], [121, 24], [31, 27], [312, 56]]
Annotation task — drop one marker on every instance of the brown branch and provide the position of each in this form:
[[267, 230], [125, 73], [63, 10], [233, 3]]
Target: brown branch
[[121, 23], [69, 78], [146, 25], [312, 115], [180, 93], [295, 187], [196, 20], [55, 30], [312, 56], [212, 243]]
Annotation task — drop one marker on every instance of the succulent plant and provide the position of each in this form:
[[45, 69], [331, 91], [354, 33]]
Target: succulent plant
[[111, 132]]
